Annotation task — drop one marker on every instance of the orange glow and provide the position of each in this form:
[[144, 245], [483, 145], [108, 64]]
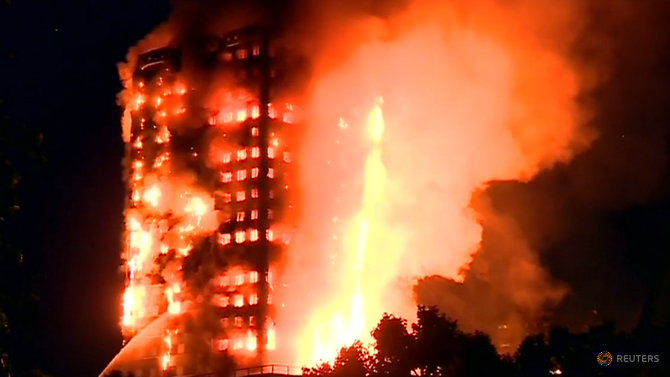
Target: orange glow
[[469, 96], [405, 119]]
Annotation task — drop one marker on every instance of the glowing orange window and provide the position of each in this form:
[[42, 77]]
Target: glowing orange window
[[253, 299], [224, 239], [241, 154], [254, 235], [241, 175], [253, 277], [240, 236], [241, 196]]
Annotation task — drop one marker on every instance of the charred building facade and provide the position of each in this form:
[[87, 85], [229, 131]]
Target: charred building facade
[[209, 208]]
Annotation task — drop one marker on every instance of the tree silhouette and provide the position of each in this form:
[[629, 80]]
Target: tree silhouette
[[437, 343], [479, 356], [394, 347], [352, 361]]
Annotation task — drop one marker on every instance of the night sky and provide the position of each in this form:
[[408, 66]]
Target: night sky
[[602, 227]]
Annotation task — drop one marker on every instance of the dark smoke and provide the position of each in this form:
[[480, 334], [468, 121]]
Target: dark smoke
[[579, 216]]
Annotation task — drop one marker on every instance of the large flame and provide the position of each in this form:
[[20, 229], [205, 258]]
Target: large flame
[[462, 107], [357, 306]]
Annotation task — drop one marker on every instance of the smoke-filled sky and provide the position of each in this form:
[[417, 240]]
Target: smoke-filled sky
[[576, 216]]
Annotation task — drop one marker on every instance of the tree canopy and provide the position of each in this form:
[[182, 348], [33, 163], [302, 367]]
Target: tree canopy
[[434, 346]]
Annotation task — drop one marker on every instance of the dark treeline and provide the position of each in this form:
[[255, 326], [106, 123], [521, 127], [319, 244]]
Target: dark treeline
[[436, 347]]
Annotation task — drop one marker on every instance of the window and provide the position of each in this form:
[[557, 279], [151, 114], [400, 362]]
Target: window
[[254, 193], [241, 54], [241, 195], [227, 198], [286, 238], [271, 152], [255, 152], [252, 321], [256, 50], [253, 277], [222, 344], [240, 217], [241, 154], [255, 113], [254, 172], [253, 236], [254, 131], [287, 157], [269, 299], [224, 301], [227, 56], [224, 239], [225, 280], [272, 194], [241, 175], [270, 214], [271, 173], [227, 157], [238, 321], [254, 214], [239, 279], [239, 302], [241, 115], [269, 234], [271, 112], [239, 236], [253, 299], [227, 177], [224, 322], [238, 344]]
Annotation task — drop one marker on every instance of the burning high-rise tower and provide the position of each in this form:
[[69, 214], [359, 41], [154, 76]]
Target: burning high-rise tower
[[209, 204]]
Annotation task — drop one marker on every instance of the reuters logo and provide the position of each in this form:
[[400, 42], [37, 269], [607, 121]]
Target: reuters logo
[[604, 358]]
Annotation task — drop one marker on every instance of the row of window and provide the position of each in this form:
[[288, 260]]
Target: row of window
[[242, 53], [239, 300], [242, 175], [255, 152], [241, 196], [239, 279], [238, 321], [253, 112], [242, 236]]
